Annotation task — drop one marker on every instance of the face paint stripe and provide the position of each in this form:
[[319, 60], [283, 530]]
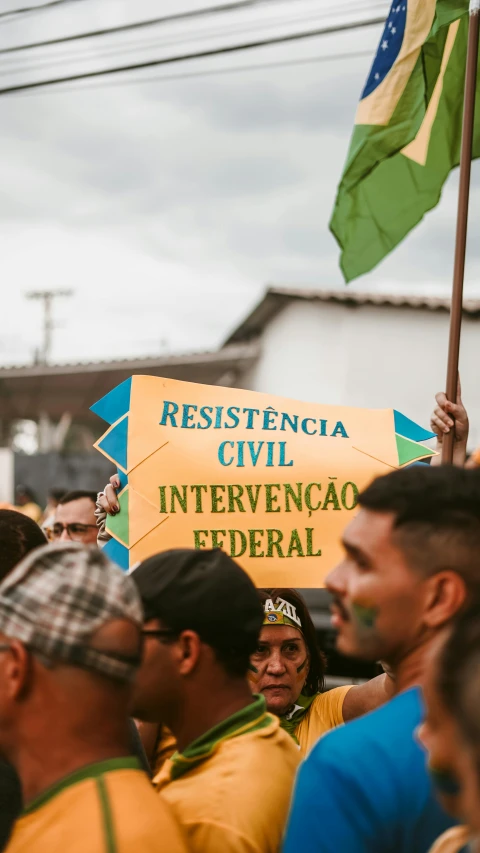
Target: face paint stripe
[[366, 614], [302, 665], [444, 781]]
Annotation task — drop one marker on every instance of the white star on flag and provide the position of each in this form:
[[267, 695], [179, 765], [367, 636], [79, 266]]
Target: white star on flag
[[377, 76], [384, 45], [394, 30]]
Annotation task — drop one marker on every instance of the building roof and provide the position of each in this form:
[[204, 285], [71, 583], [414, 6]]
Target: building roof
[[27, 391], [276, 298]]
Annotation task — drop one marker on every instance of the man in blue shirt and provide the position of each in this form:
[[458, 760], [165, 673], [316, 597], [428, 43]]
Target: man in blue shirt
[[411, 564]]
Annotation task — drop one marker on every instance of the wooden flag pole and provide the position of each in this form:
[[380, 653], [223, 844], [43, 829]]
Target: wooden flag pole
[[462, 220]]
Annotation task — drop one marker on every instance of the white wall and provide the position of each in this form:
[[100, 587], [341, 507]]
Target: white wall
[[374, 357], [6, 475]]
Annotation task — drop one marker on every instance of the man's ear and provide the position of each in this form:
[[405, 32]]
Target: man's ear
[[189, 650], [446, 595], [16, 670]]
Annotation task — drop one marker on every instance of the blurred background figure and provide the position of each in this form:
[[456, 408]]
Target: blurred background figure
[[26, 503], [473, 460], [74, 518], [451, 731], [54, 496]]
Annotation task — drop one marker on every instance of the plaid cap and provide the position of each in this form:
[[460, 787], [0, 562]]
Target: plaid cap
[[59, 596]]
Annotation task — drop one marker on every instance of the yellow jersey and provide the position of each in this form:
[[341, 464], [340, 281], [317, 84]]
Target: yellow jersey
[[165, 747], [325, 713], [31, 510], [231, 790], [109, 807]]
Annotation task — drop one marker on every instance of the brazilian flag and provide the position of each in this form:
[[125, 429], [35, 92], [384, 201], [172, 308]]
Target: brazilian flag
[[407, 132]]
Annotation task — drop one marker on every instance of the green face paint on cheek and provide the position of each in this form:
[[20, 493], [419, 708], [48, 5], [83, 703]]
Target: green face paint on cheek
[[365, 614], [444, 781], [302, 673]]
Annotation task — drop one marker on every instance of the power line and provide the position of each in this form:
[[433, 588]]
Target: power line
[[136, 25], [215, 72], [110, 51], [28, 9], [122, 28], [204, 54]]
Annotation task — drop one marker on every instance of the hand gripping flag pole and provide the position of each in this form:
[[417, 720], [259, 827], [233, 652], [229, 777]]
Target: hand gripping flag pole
[[462, 219]]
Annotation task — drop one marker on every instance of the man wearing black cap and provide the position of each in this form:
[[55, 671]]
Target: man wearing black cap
[[229, 784]]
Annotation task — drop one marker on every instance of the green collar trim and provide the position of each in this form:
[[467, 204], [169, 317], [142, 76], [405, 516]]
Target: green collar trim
[[292, 719], [91, 771], [250, 719]]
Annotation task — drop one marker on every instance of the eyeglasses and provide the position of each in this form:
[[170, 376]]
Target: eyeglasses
[[74, 531]]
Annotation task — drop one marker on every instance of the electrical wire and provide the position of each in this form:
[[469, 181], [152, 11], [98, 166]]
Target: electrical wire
[[110, 51], [204, 54], [135, 25], [39, 8], [236, 69]]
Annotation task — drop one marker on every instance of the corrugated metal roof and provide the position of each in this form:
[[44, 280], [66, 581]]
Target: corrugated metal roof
[[276, 298], [235, 352], [29, 390]]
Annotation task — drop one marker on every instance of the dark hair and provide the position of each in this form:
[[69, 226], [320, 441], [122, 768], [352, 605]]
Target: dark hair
[[437, 518], [315, 682], [458, 677], [27, 492], [235, 663], [77, 495], [18, 536], [56, 494]]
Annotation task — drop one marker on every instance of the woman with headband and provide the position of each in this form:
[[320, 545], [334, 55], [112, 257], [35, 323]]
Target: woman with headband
[[288, 668]]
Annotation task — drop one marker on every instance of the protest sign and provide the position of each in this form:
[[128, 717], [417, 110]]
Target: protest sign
[[272, 481]]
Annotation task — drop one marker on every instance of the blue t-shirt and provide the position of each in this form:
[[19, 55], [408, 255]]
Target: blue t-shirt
[[365, 788]]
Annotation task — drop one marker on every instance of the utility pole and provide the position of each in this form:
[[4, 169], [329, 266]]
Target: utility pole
[[47, 297]]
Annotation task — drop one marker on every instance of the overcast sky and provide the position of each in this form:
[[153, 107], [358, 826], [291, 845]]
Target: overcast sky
[[169, 205]]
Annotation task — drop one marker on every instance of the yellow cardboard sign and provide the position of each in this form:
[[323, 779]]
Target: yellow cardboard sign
[[272, 481]]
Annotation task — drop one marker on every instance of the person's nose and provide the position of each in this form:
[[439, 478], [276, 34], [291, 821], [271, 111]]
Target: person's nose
[[335, 580], [64, 537], [276, 665], [421, 735]]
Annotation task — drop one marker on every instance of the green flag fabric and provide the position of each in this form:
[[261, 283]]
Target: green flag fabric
[[407, 132]]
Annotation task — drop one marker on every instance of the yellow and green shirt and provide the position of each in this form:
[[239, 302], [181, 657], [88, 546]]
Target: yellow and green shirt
[[230, 790], [109, 807], [165, 747], [324, 713]]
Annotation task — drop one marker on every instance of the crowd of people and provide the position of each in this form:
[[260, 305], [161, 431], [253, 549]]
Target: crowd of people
[[177, 708]]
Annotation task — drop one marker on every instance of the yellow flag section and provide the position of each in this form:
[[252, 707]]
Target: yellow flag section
[[272, 481]]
